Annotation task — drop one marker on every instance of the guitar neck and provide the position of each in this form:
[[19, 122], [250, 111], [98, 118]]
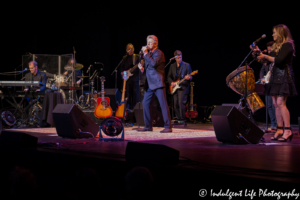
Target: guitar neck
[[191, 97], [102, 90], [183, 79], [123, 93]]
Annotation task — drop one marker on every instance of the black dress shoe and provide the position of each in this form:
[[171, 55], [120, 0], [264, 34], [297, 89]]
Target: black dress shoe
[[166, 130], [144, 129]]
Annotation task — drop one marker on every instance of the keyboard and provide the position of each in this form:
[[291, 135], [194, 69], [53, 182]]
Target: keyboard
[[21, 83]]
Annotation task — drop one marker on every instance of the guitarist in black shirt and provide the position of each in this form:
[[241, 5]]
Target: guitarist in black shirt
[[132, 83], [180, 70]]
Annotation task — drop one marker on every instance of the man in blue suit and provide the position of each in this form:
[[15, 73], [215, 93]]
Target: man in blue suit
[[155, 84]]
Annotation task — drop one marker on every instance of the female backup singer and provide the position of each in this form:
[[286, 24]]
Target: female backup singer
[[281, 81]]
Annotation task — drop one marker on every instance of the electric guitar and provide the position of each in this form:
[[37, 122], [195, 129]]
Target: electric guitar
[[103, 109], [191, 110], [129, 72], [177, 82], [120, 110]]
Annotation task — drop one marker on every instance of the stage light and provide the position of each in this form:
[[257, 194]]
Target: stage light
[[111, 127]]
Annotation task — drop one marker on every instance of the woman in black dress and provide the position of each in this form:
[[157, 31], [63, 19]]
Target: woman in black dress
[[282, 82]]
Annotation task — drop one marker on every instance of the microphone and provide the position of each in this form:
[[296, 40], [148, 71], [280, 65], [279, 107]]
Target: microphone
[[129, 50], [89, 69], [23, 71], [256, 41], [173, 57]]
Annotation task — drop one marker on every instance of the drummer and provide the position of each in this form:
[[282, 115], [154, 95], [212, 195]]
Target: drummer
[[71, 79], [68, 72]]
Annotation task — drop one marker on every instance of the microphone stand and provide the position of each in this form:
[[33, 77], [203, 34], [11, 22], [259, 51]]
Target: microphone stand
[[116, 70], [246, 82]]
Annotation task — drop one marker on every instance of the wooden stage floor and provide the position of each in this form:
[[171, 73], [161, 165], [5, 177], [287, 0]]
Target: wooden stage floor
[[201, 155]]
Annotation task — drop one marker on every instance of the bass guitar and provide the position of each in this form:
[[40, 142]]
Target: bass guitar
[[120, 110], [129, 72], [103, 109], [177, 82], [191, 109]]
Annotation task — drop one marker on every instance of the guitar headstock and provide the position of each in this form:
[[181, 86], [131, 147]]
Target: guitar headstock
[[125, 75], [102, 78], [194, 72]]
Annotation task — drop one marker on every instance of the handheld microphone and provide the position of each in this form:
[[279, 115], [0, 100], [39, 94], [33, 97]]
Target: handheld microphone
[[173, 58], [256, 41], [23, 71], [89, 69]]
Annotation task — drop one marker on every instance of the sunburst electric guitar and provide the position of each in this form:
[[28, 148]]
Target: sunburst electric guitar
[[103, 109], [120, 110], [178, 82], [191, 109]]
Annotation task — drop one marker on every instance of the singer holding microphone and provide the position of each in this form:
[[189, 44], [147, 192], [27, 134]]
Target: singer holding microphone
[[180, 70], [282, 81], [154, 68]]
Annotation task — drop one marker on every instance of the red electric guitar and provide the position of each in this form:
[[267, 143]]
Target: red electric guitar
[[103, 109], [191, 109]]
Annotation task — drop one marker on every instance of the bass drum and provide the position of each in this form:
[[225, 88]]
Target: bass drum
[[236, 81]]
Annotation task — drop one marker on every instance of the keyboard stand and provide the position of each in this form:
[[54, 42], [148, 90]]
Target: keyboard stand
[[17, 106]]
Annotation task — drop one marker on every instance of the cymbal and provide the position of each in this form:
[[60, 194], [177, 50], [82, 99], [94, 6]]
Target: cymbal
[[82, 76], [78, 66]]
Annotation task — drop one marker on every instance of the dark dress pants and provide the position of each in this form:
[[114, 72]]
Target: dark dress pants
[[160, 93], [180, 99]]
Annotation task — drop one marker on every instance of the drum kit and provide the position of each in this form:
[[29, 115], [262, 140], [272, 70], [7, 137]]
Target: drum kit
[[64, 83]]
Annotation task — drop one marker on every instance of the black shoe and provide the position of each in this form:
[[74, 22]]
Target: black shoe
[[166, 130], [282, 139], [144, 129]]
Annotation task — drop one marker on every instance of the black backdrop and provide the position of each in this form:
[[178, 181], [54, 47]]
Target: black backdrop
[[213, 38]]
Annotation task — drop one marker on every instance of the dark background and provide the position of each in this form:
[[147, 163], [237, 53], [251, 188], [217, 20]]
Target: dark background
[[214, 38]]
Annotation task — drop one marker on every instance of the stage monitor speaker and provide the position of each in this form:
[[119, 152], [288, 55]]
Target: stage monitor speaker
[[231, 126], [299, 124], [71, 122], [157, 118], [14, 139], [143, 153]]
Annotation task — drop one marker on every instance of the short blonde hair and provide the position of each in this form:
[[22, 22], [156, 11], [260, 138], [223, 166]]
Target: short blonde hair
[[154, 38]]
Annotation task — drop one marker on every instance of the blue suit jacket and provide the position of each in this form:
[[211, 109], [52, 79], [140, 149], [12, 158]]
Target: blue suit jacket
[[155, 70]]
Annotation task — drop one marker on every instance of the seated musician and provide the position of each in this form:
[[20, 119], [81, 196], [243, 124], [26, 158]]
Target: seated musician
[[71, 75], [180, 70], [35, 75]]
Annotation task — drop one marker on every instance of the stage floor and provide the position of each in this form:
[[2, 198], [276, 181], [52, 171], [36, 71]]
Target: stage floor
[[199, 151]]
